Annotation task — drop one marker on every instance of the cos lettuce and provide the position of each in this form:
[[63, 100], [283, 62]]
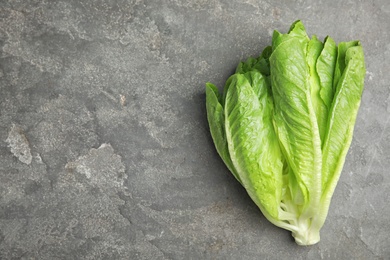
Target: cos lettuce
[[284, 123]]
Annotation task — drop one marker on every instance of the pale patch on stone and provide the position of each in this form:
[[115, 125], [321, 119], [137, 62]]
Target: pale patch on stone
[[19, 144], [102, 167], [122, 99]]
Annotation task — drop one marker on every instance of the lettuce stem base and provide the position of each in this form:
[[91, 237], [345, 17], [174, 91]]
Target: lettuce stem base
[[306, 234]]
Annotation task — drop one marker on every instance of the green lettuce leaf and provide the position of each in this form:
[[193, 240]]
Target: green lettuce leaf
[[215, 116], [295, 117], [252, 143], [325, 68], [341, 123]]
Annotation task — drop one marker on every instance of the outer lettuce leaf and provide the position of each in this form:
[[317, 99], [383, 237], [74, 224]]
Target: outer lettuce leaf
[[260, 64], [325, 68], [252, 143], [297, 32], [341, 61], [215, 116], [295, 118], [314, 49], [342, 119], [343, 112]]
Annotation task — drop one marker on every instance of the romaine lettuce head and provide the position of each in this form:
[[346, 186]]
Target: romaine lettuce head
[[284, 123]]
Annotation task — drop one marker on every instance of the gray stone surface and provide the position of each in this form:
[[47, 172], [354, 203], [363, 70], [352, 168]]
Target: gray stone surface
[[105, 151]]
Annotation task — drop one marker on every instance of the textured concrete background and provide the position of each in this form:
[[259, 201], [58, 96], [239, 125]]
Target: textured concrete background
[[105, 151]]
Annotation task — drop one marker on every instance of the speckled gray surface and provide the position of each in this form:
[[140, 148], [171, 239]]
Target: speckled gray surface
[[105, 151]]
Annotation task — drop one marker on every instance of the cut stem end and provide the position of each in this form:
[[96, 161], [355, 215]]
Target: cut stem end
[[306, 237]]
